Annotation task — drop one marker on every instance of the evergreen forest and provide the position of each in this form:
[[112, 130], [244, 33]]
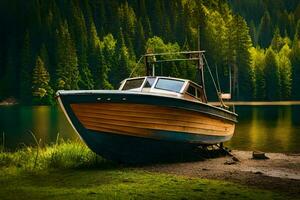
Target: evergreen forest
[[94, 44]]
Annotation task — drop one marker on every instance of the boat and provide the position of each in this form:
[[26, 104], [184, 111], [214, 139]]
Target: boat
[[149, 118]]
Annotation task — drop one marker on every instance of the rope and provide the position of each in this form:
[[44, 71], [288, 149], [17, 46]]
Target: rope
[[137, 64], [214, 82]]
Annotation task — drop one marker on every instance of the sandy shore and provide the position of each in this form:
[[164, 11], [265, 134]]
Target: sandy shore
[[280, 173], [8, 102]]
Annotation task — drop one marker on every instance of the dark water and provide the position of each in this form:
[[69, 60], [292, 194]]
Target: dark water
[[265, 128]]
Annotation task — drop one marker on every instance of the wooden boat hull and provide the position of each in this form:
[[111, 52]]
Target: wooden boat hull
[[134, 127]]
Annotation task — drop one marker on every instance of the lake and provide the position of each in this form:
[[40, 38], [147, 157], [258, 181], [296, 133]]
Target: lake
[[264, 128]]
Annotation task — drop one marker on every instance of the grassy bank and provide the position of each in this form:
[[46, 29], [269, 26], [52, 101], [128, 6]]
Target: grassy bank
[[70, 170]]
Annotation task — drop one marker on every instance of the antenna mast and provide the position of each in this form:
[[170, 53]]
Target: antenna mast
[[201, 64]]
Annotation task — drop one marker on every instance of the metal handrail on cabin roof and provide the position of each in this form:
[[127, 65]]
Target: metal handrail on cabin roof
[[199, 58], [174, 53]]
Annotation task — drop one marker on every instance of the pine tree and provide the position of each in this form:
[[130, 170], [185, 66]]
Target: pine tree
[[122, 70], [239, 56], [128, 24], [109, 53], [258, 67], [41, 90], [45, 56], [265, 30], [94, 60], [277, 41], [26, 70], [67, 62], [103, 71], [295, 58], [140, 39], [80, 35], [272, 76], [285, 69], [253, 33]]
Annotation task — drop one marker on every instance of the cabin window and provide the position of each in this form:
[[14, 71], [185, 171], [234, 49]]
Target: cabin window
[[196, 92], [149, 82], [169, 84], [133, 84], [192, 91]]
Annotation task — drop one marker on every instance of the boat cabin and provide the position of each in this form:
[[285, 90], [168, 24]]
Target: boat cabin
[[181, 88]]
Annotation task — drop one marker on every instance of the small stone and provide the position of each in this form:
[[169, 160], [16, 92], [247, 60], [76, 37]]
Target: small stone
[[235, 159], [258, 172], [230, 162], [259, 155]]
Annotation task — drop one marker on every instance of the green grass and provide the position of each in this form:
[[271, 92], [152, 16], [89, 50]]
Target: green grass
[[63, 155], [71, 171]]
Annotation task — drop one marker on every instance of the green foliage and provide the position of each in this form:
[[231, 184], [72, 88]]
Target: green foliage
[[82, 47], [272, 74], [265, 30], [41, 90], [124, 64], [295, 59], [285, 70], [258, 68], [157, 45], [242, 45], [266, 17], [79, 35], [26, 70], [67, 62], [62, 155]]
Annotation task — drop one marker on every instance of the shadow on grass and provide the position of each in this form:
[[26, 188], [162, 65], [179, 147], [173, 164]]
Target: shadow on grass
[[199, 154]]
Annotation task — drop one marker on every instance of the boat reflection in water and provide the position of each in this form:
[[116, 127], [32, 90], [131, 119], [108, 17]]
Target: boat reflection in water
[[149, 118]]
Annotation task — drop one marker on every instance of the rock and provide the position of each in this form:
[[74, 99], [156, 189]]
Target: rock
[[230, 162], [259, 155], [235, 159], [258, 172]]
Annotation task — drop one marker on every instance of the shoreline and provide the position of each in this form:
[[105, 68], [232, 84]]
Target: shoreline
[[8, 102], [257, 103], [281, 172]]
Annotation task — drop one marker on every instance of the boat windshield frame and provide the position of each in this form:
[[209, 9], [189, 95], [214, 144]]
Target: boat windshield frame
[[170, 79], [153, 87], [123, 84]]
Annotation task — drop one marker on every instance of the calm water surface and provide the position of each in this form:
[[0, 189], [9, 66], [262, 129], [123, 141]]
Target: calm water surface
[[265, 128]]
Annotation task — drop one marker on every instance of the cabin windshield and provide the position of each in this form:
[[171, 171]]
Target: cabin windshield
[[169, 84], [133, 84]]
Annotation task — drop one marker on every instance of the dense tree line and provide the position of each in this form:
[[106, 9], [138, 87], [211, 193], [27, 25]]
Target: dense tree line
[[94, 44], [274, 29]]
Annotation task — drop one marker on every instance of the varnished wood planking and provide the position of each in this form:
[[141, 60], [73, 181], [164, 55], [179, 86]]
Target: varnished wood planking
[[119, 129], [155, 117], [146, 127], [151, 122], [149, 110], [91, 117]]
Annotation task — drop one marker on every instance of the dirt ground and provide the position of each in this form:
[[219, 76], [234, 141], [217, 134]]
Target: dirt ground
[[281, 172]]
